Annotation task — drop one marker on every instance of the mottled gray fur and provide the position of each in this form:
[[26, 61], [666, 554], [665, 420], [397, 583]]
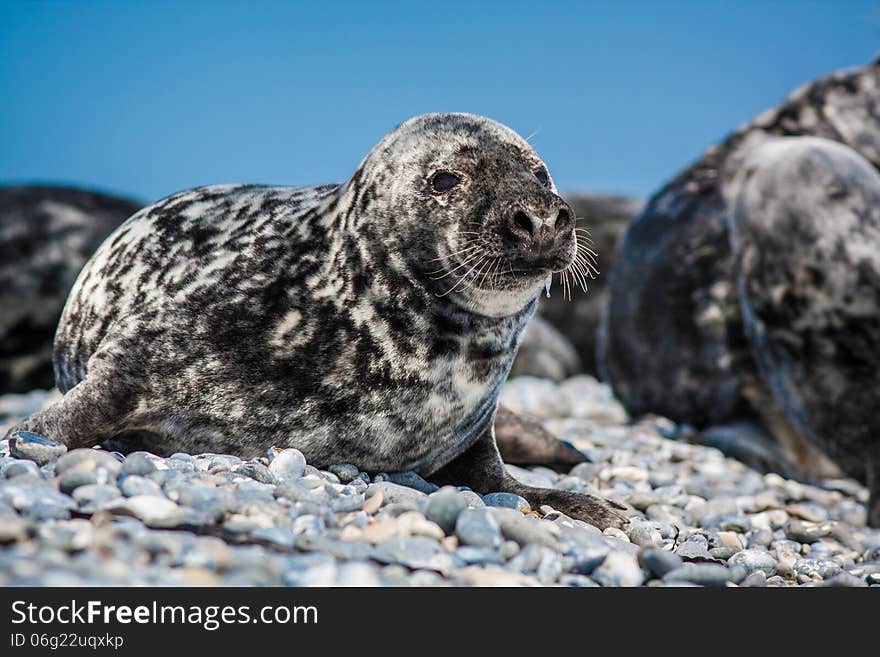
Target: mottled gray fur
[[372, 322]]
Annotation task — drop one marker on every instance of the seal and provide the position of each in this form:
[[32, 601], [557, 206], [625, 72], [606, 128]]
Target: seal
[[372, 322], [804, 225], [673, 338], [46, 235]]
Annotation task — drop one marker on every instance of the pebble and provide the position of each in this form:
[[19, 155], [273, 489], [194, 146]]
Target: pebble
[[507, 500], [659, 562], [288, 465], [93, 517], [444, 507], [138, 463], [34, 447], [618, 569], [703, 574], [754, 559], [478, 527], [346, 472]]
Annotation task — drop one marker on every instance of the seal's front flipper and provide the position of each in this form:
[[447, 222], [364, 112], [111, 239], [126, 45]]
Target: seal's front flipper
[[91, 411], [481, 469], [525, 442]]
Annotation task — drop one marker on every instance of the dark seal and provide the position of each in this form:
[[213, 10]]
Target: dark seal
[[46, 235], [372, 322], [734, 279]]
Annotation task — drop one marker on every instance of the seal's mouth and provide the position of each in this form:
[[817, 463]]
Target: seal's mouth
[[489, 264]]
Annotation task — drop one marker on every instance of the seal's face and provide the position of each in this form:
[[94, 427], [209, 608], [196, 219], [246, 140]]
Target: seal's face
[[477, 217]]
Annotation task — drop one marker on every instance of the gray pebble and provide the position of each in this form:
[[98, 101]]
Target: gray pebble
[[754, 559], [17, 468], [618, 569], [98, 457], [257, 472], [138, 463], [412, 480], [345, 471], [288, 465], [34, 447], [507, 500], [395, 493], [659, 562], [704, 574], [136, 485], [525, 531], [478, 527]]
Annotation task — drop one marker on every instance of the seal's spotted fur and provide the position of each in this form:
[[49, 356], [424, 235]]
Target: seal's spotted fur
[[352, 322]]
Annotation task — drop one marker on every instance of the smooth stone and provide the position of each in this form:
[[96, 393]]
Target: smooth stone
[[12, 529], [754, 559], [526, 531], [34, 447], [282, 536], [138, 463], [506, 500], [806, 532], [256, 471], [67, 535], [150, 509], [395, 493], [43, 511], [478, 527], [692, 550], [84, 474], [756, 579], [473, 500], [23, 496], [288, 465], [98, 457], [659, 562], [844, 579], [704, 574], [585, 558], [643, 534], [132, 485], [412, 480], [17, 468], [618, 569], [346, 472], [816, 568], [479, 555], [95, 494]]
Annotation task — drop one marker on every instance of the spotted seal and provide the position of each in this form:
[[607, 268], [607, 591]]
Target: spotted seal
[[46, 235], [372, 322], [693, 329]]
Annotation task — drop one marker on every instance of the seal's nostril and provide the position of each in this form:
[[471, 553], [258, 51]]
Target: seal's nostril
[[563, 220], [522, 220]]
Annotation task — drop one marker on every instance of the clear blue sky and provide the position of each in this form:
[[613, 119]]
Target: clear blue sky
[[147, 98]]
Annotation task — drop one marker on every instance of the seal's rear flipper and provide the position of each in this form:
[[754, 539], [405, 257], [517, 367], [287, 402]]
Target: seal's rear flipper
[[525, 442], [481, 469]]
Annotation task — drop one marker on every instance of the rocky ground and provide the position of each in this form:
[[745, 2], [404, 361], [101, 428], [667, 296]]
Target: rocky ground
[[94, 517]]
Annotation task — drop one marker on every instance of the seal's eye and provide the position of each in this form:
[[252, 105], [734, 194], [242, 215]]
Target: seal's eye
[[443, 181], [543, 177]]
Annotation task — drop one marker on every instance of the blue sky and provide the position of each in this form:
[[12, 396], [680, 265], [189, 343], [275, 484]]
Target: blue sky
[[147, 98]]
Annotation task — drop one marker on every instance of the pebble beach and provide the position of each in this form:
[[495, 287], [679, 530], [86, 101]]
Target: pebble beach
[[697, 518]]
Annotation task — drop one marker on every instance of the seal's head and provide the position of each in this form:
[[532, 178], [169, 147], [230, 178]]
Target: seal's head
[[468, 209]]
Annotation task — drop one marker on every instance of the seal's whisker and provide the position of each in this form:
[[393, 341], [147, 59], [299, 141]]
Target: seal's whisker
[[464, 263], [469, 247], [450, 290]]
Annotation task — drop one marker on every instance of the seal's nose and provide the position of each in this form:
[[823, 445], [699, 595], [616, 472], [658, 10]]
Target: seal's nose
[[534, 232]]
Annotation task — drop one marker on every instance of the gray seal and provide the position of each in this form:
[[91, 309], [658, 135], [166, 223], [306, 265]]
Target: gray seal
[[673, 339], [46, 235], [372, 322], [804, 224]]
